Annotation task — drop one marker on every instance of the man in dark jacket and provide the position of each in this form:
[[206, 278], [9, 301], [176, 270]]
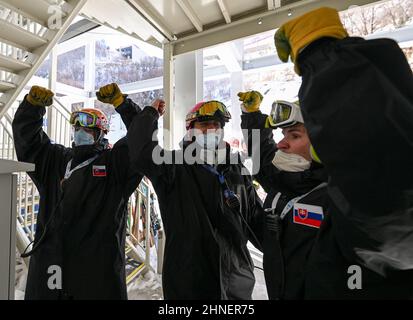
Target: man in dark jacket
[[296, 193], [78, 252], [208, 206], [357, 103]]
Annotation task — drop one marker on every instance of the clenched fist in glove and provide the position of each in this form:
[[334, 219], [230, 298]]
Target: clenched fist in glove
[[251, 101], [110, 94], [40, 97], [292, 37]]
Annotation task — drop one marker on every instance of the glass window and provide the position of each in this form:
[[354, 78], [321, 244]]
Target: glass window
[[71, 68], [44, 70], [117, 127], [120, 63], [147, 97], [275, 83], [258, 46], [218, 89], [379, 17], [409, 55]]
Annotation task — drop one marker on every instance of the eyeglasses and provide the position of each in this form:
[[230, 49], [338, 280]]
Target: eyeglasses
[[284, 114]]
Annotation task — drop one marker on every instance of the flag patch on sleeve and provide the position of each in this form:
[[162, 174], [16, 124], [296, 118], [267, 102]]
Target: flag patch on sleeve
[[308, 215], [99, 171]]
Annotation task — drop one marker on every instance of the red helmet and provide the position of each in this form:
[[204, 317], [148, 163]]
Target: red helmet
[[90, 118], [212, 109]]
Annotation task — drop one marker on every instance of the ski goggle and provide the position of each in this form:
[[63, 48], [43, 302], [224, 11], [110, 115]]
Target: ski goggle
[[208, 109], [87, 120], [285, 114]]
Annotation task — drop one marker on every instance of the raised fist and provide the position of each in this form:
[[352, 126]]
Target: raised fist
[[111, 94], [159, 105], [39, 96], [251, 100]]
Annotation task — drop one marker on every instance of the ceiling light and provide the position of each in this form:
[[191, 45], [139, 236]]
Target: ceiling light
[[259, 21], [289, 13]]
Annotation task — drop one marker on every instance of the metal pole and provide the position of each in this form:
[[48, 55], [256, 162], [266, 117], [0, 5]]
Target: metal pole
[[168, 85], [148, 228], [52, 86]]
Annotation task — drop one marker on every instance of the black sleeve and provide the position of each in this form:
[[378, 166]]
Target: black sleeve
[[256, 215], [127, 110], [357, 103], [145, 152], [261, 151], [33, 145], [127, 176]]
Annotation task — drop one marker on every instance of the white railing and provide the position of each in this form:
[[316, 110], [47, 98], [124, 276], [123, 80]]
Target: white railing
[[27, 193], [13, 52], [25, 23], [9, 77], [6, 140], [58, 127]]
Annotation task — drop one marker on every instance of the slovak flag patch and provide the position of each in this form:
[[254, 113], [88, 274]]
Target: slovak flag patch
[[99, 171], [308, 215]]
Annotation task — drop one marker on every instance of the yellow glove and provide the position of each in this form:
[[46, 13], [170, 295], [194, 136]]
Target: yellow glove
[[298, 33], [110, 94], [40, 97], [251, 100]]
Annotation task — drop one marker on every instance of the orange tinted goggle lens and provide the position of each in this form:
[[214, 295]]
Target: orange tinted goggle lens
[[209, 109]]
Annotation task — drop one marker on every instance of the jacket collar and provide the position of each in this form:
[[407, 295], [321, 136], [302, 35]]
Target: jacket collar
[[302, 182]]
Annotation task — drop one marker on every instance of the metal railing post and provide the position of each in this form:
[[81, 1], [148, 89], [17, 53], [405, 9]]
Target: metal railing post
[[148, 228]]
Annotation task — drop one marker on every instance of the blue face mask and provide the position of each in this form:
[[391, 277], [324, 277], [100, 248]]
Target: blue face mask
[[82, 138]]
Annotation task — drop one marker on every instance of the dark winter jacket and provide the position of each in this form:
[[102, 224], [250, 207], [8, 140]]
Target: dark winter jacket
[[286, 250], [357, 102], [81, 220], [206, 255]]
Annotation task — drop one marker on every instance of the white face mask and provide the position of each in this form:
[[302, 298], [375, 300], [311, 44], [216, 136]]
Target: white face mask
[[82, 138], [290, 162], [208, 141], [213, 157]]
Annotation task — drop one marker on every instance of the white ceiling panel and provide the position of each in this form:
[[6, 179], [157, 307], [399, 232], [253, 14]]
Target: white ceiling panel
[[241, 7], [119, 14], [191, 24], [171, 13], [208, 10]]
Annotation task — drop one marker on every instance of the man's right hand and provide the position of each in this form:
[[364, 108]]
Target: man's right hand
[[160, 106], [110, 94], [40, 97]]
